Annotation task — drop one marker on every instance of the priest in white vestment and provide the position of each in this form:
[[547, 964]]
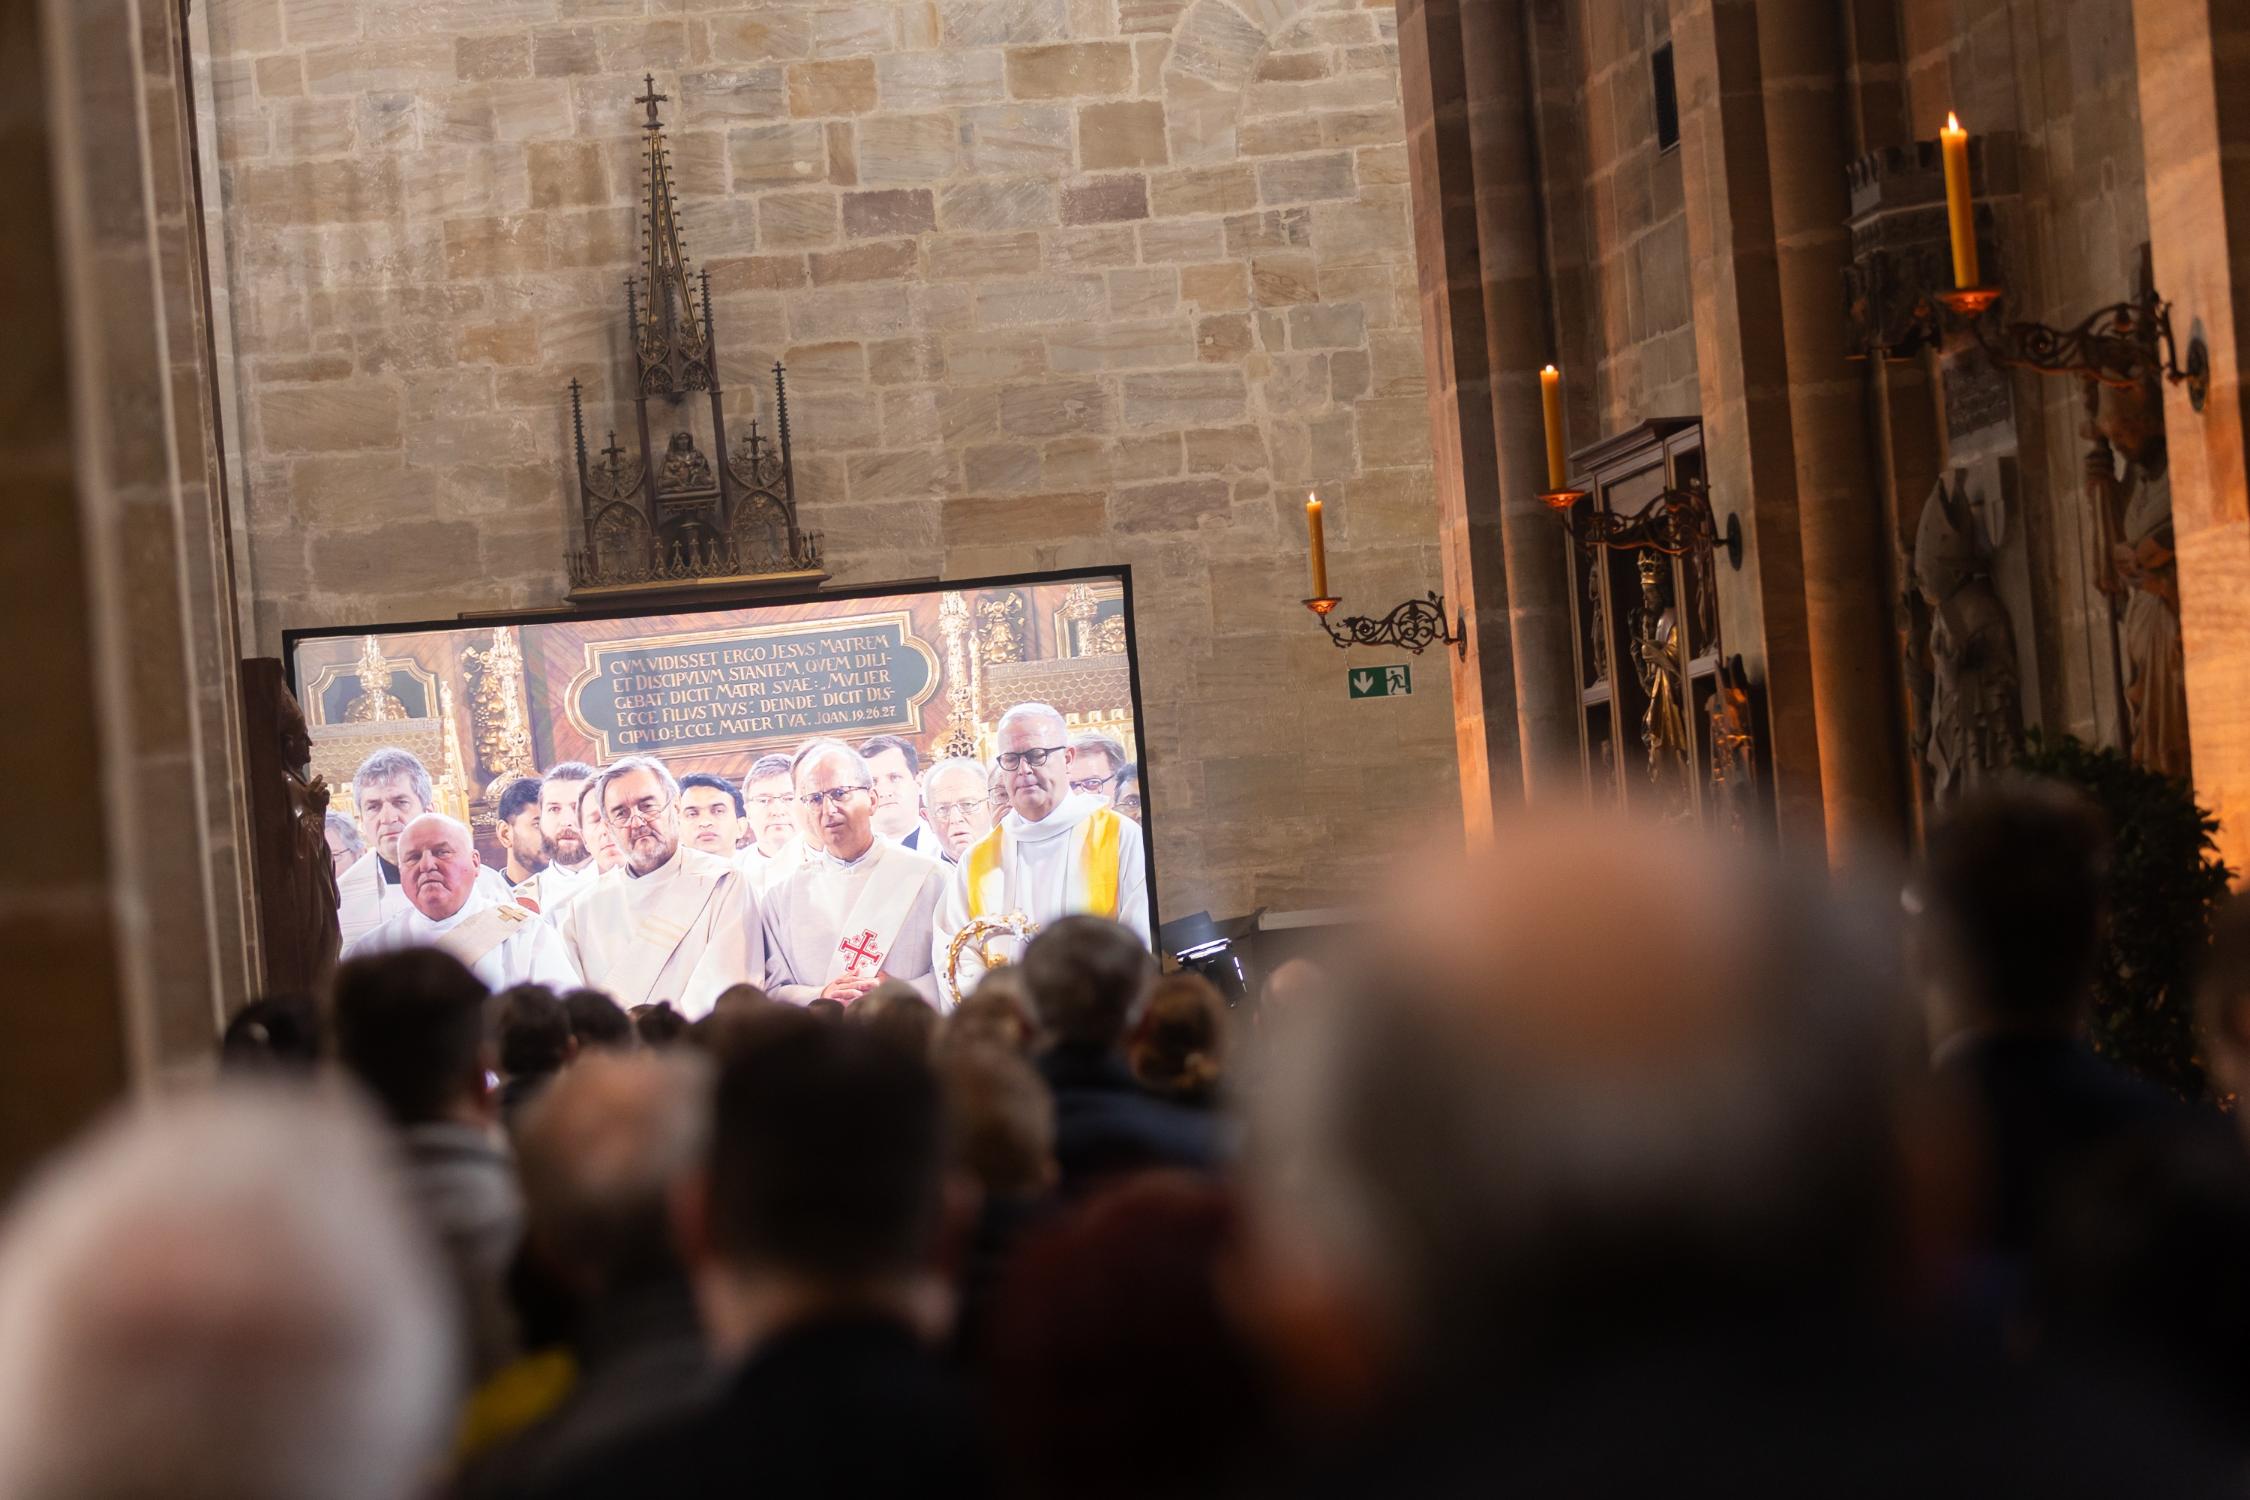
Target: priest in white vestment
[[777, 847], [500, 942], [390, 789], [570, 863], [859, 911], [670, 923], [1054, 854]]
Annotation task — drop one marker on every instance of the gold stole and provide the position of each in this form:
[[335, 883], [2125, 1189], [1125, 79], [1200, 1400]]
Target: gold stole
[[1103, 831]]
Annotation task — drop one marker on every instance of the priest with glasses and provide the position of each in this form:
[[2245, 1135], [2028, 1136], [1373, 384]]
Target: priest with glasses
[[1056, 852], [671, 922], [859, 910]]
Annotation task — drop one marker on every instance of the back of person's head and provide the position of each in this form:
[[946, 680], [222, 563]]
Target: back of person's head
[[825, 1154], [534, 1031], [1087, 978], [410, 1026], [897, 1010], [2012, 897], [279, 1034], [999, 1117], [1523, 1122], [659, 1025], [599, 1152], [222, 1296], [598, 1021], [1181, 1040], [825, 1008], [997, 1011], [1116, 1368]]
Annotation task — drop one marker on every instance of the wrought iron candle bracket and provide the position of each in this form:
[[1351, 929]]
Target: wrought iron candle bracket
[[1411, 626], [1676, 522], [2119, 345]]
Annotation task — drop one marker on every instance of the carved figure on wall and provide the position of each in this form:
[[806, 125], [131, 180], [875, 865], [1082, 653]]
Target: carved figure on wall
[[1734, 763], [1973, 722], [684, 467], [1657, 662], [2136, 568], [1000, 627], [302, 957]]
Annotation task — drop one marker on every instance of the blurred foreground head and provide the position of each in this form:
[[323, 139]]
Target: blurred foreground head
[[600, 1153], [1603, 1079], [221, 1296]]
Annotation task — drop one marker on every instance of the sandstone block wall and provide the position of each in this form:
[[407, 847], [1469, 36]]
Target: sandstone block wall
[[1059, 282]]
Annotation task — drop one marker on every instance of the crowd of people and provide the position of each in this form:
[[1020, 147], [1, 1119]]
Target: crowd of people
[[820, 874], [1606, 1163]]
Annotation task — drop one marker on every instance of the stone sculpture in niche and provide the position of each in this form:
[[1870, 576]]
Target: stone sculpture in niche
[[1969, 706], [2135, 567]]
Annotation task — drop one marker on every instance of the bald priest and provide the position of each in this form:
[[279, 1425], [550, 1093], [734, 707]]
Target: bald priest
[[669, 923], [1056, 853], [390, 789], [500, 942], [859, 910]]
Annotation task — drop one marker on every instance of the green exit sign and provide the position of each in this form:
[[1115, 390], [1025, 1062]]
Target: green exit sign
[[1379, 682]]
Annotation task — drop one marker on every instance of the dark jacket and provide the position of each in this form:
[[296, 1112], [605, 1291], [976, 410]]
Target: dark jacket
[[1106, 1124], [845, 1407], [2049, 1106]]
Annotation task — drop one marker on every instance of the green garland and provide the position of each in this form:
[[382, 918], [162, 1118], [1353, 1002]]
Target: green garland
[[2165, 882]]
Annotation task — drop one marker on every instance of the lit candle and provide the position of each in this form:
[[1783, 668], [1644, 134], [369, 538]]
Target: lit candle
[[1960, 206], [1550, 399], [1319, 548]]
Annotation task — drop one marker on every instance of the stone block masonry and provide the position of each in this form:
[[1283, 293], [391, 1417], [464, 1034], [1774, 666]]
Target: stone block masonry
[[1063, 282]]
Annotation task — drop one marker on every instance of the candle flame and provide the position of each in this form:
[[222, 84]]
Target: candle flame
[[1953, 122], [1548, 370]]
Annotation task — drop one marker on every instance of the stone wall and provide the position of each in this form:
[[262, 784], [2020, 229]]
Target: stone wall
[[1059, 282]]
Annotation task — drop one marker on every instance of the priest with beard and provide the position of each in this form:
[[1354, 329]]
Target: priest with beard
[[859, 911], [500, 942], [1055, 853], [390, 789], [570, 863], [670, 923]]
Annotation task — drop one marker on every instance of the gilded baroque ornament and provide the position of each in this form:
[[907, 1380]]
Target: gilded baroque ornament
[[701, 510], [1000, 622], [375, 702], [960, 684], [496, 708]]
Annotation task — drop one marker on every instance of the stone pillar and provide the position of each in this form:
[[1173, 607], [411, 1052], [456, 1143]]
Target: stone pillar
[[1519, 338], [1451, 279], [1765, 129], [121, 950], [2194, 63]]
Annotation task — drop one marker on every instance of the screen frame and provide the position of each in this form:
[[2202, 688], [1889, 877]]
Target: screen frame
[[552, 614]]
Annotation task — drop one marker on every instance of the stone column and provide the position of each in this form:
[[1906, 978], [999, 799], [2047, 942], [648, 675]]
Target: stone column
[[2194, 62], [1519, 338], [122, 956], [1764, 121], [1443, 185]]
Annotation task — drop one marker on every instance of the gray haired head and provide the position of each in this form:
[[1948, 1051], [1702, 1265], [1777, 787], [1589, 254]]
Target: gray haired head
[[390, 764]]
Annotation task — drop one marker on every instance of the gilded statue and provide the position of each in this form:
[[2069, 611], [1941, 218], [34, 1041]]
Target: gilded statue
[[684, 467], [375, 702], [300, 958], [2136, 569], [1657, 662], [1973, 721]]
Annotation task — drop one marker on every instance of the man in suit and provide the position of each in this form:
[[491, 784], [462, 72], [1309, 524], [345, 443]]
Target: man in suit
[[1089, 978], [810, 1234]]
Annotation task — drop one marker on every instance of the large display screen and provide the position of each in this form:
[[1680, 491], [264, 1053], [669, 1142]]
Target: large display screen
[[920, 679]]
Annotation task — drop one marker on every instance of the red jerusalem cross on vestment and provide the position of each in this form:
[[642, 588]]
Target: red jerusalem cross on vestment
[[860, 950]]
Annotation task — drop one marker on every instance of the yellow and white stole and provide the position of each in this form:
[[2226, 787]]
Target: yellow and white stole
[[1097, 837]]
